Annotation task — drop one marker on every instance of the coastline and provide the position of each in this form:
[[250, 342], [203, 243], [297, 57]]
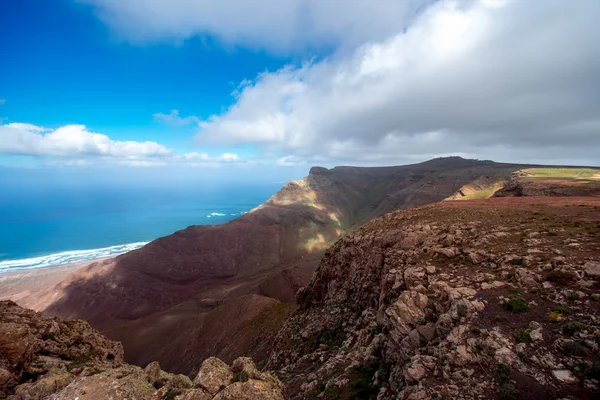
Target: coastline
[[19, 285]]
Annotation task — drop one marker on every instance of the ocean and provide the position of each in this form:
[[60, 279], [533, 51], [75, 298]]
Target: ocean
[[55, 226]]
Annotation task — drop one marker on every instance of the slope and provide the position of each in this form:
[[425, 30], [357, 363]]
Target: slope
[[270, 252]]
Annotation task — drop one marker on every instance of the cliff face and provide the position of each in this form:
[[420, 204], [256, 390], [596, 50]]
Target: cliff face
[[44, 358], [496, 298], [174, 283]]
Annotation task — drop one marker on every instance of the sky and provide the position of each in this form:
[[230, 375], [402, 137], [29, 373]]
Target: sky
[[268, 88]]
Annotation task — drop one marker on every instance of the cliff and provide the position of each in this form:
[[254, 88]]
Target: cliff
[[46, 358], [496, 298], [161, 301]]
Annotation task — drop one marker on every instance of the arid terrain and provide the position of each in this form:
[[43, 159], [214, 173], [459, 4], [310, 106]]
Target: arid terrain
[[182, 298], [493, 294], [45, 358], [493, 298]]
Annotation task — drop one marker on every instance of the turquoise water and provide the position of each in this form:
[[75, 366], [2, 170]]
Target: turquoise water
[[48, 225]]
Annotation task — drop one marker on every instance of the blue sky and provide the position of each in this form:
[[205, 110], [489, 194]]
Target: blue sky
[[286, 84], [63, 66]]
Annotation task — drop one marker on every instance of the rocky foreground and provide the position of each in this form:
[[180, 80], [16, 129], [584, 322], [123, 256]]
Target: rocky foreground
[[463, 300], [45, 358]]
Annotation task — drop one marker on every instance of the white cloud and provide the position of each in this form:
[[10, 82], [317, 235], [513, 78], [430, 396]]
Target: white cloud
[[512, 80], [75, 145], [195, 157], [279, 25], [72, 140], [228, 157], [174, 119]]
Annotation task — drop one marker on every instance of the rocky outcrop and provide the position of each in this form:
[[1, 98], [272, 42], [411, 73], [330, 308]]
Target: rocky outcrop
[[46, 358], [490, 298]]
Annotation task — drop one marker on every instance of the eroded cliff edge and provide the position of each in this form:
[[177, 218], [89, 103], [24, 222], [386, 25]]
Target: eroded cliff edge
[[495, 298], [46, 358]]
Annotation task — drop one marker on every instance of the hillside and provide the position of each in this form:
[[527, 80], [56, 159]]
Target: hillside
[[169, 296], [497, 298], [164, 295]]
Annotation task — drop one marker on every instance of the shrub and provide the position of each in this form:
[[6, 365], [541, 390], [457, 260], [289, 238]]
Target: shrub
[[574, 349], [461, 309], [554, 316], [516, 305], [573, 327], [361, 387], [508, 391], [562, 310], [522, 336], [502, 374]]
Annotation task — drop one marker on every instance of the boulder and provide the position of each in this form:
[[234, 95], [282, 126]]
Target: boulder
[[565, 376], [214, 374], [152, 372], [592, 269], [406, 312], [245, 364], [253, 389]]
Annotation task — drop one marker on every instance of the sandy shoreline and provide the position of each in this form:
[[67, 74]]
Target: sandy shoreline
[[18, 285]]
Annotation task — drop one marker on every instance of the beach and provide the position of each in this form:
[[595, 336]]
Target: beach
[[20, 286]]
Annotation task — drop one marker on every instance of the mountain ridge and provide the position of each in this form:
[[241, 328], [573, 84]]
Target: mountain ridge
[[175, 282]]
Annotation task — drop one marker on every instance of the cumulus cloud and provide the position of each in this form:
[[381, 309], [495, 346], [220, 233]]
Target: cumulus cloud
[[174, 119], [75, 145], [511, 80], [72, 140], [278, 25]]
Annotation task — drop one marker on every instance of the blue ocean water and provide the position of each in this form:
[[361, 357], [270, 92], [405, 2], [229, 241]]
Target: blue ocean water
[[71, 223]]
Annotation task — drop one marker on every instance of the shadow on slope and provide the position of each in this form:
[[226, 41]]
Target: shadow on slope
[[157, 298]]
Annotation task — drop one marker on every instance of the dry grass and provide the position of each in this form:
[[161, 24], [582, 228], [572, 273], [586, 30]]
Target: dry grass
[[567, 173]]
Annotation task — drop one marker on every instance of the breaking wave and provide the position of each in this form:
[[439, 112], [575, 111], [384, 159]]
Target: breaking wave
[[67, 257]]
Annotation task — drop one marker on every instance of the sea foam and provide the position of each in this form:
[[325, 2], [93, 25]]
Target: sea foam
[[67, 257]]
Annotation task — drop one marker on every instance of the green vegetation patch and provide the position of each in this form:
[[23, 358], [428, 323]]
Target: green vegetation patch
[[565, 173], [516, 305], [562, 310], [576, 349], [572, 328], [361, 386], [508, 391], [522, 336]]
